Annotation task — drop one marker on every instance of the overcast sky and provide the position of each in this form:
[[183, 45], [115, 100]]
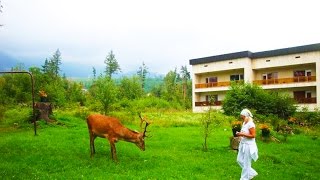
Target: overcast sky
[[162, 33]]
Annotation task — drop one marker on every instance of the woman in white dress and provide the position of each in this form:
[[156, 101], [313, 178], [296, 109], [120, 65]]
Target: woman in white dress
[[247, 148]]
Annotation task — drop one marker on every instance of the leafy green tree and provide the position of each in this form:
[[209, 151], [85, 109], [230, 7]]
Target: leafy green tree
[[112, 65], [105, 91], [75, 93], [207, 121], [130, 88], [171, 89], [16, 88], [142, 73]]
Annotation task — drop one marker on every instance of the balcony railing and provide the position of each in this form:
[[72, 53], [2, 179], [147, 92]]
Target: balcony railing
[[297, 79], [216, 84], [299, 101], [207, 103], [306, 100]]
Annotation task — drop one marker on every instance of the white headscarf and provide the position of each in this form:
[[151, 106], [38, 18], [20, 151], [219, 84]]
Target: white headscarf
[[246, 113]]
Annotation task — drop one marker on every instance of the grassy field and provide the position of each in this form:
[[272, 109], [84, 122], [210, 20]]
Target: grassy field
[[61, 151]]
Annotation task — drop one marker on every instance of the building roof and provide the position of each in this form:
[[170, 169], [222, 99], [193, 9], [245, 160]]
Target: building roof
[[262, 54]]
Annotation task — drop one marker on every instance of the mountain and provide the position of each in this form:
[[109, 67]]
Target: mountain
[[71, 70], [7, 62]]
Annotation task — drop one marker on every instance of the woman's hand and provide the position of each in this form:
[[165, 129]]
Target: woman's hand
[[252, 133], [239, 133]]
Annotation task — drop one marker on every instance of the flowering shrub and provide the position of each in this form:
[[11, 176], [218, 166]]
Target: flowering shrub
[[42, 93], [236, 125], [43, 96], [292, 120], [264, 127], [265, 130]]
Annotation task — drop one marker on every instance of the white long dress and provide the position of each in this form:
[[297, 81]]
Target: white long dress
[[247, 151]]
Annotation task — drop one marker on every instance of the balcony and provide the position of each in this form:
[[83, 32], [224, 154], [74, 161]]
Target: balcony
[[306, 100], [207, 103], [298, 79]]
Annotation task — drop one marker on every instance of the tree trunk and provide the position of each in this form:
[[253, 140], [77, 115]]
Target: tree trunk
[[44, 109]]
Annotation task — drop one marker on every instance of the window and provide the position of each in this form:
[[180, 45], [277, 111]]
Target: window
[[236, 77], [308, 94], [302, 75], [211, 79], [308, 73], [299, 73]]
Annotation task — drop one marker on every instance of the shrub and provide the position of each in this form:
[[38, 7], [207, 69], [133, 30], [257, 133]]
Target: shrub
[[2, 111], [17, 116], [245, 95]]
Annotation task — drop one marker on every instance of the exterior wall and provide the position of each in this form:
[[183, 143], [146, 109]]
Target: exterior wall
[[286, 60], [221, 66]]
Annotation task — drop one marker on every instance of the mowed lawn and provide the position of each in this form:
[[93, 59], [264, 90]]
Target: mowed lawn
[[61, 151]]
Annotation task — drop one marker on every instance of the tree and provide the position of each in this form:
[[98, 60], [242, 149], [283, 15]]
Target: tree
[[1, 7], [56, 62], [112, 65], [105, 91], [51, 67], [170, 86], [185, 75], [1, 10], [130, 88], [15, 87], [94, 73], [142, 73], [208, 119]]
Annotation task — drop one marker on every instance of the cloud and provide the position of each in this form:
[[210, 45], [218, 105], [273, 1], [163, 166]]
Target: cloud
[[164, 34]]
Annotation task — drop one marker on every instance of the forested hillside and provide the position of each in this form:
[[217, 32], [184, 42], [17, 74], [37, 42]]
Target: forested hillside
[[102, 93]]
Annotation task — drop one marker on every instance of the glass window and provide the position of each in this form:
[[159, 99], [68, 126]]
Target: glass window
[[299, 73], [213, 79], [236, 77]]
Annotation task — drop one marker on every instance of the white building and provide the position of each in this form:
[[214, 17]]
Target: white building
[[294, 70]]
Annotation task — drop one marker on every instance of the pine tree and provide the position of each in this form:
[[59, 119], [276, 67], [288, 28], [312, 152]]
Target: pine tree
[[185, 75], [142, 73], [112, 65]]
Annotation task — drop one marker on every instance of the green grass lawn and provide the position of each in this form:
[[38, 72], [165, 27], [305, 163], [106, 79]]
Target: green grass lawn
[[173, 152]]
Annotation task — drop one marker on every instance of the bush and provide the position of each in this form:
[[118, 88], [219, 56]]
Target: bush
[[2, 111], [245, 95], [306, 118], [17, 116]]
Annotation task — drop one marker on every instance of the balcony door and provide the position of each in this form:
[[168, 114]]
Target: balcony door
[[308, 74], [212, 81], [299, 96], [270, 78]]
